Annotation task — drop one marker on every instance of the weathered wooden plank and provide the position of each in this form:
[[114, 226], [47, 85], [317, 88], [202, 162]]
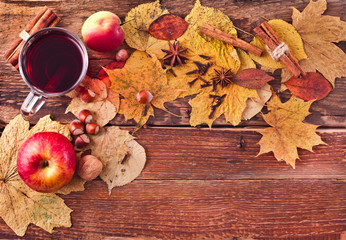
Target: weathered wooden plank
[[203, 154], [214, 154], [271, 209], [328, 112]]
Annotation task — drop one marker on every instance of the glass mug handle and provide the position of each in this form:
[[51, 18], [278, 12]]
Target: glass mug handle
[[32, 104]]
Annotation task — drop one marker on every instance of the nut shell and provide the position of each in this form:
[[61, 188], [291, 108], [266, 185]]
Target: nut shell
[[85, 116], [82, 141], [76, 127], [92, 128], [121, 55], [87, 96], [89, 167]]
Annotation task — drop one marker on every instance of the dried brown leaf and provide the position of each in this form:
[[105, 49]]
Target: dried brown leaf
[[312, 86], [138, 21], [251, 78], [110, 146], [319, 33], [19, 204], [168, 27], [103, 111]]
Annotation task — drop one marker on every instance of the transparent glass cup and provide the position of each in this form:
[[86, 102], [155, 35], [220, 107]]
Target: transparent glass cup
[[38, 96]]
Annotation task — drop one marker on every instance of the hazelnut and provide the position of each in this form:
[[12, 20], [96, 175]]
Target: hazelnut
[[144, 97], [76, 127], [121, 55], [85, 116], [89, 167], [87, 96], [82, 141], [92, 128], [80, 89]]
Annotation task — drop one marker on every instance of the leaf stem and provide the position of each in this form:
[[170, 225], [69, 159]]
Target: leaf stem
[[127, 21]]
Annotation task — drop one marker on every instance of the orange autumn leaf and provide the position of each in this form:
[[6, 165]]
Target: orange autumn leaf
[[288, 131], [97, 86], [168, 27], [141, 72], [312, 86]]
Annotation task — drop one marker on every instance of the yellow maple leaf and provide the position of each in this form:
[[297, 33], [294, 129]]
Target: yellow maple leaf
[[181, 80], [239, 103], [136, 29], [141, 72], [19, 204], [287, 131], [287, 33], [319, 33], [232, 106], [224, 55], [110, 146]]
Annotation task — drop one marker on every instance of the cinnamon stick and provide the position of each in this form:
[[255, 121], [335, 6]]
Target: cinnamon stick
[[237, 42], [45, 18], [272, 40], [268, 29], [27, 28]]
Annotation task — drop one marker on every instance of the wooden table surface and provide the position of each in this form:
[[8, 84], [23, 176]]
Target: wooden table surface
[[197, 184]]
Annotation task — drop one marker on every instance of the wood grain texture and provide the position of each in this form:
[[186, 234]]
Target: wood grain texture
[[329, 112], [195, 209], [197, 184], [187, 153]]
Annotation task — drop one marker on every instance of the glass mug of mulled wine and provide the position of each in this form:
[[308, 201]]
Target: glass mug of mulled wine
[[52, 62]]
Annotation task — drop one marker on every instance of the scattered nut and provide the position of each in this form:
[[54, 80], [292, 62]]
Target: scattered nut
[[80, 89], [82, 141], [85, 116], [92, 128], [76, 127], [121, 55], [144, 97], [87, 96], [89, 167]]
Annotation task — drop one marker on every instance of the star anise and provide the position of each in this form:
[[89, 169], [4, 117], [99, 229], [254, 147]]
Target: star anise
[[221, 77], [175, 54]]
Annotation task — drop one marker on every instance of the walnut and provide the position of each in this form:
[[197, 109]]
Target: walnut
[[89, 167]]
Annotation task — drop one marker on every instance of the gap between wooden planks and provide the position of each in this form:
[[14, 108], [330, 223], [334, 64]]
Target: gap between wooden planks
[[197, 209]]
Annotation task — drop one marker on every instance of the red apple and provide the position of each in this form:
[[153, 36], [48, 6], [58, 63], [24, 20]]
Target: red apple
[[102, 32], [46, 161]]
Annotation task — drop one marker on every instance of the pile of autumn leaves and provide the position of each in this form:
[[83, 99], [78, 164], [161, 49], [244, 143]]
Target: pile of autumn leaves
[[310, 39]]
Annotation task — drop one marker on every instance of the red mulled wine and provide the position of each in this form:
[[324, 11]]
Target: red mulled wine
[[54, 63]]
